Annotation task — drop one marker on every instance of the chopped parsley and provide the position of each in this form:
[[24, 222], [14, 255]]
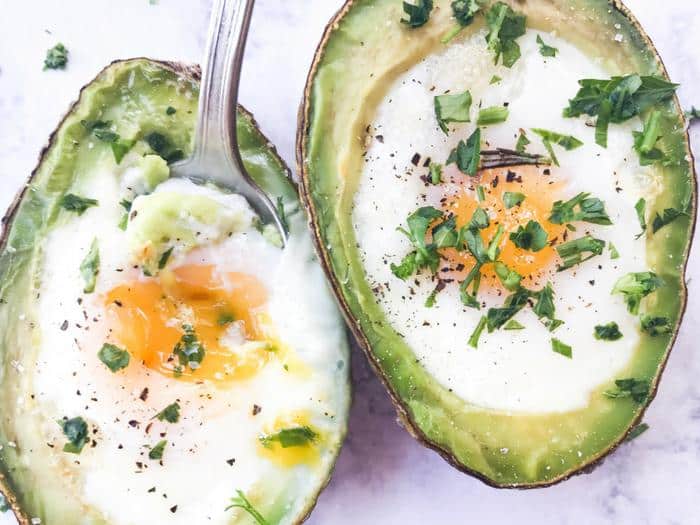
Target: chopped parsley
[[637, 389], [561, 348], [549, 138], [90, 267], [504, 26], [637, 431], [513, 325], [467, 154], [4, 505], [480, 193], [578, 251], [100, 129], [290, 437], [497, 317], [614, 254], [463, 12], [607, 332], [170, 110], [157, 450], [171, 413], [544, 308], [163, 261], [225, 318], [693, 113], [522, 143], [492, 115], [645, 141], [113, 357], [635, 286], [162, 146], [545, 50], [667, 217], [532, 237], [56, 57], [282, 214], [617, 99], [509, 279], [435, 173], [76, 203], [582, 207], [641, 209], [511, 199], [425, 255], [418, 14], [241, 502], [655, 325], [189, 351], [76, 431], [125, 216], [495, 79], [474, 339], [452, 108]]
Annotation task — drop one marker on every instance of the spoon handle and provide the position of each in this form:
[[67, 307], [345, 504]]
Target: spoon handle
[[216, 128]]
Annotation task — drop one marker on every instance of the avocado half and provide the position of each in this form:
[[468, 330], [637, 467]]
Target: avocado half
[[36, 208], [364, 48]]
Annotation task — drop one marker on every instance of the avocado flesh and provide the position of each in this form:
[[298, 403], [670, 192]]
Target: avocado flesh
[[134, 94], [364, 49]]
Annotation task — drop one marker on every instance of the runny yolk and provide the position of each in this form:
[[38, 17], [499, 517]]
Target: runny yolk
[[148, 318], [540, 191]]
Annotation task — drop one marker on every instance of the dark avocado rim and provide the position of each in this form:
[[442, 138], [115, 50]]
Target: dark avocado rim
[[190, 72], [402, 413]]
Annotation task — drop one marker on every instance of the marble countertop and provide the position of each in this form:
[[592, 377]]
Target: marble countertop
[[383, 475]]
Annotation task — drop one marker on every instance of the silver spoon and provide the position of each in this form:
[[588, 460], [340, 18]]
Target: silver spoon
[[216, 157]]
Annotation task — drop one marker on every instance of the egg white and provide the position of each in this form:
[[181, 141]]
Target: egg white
[[213, 450], [511, 370]]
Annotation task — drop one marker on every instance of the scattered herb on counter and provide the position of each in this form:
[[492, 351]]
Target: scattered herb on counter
[[290, 437], [474, 339], [157, 450], [504, 26], [452, 108], [241, 502], [655, 325], [76, 431], [545, 50], [418, 14], [635, 286], [531, 237], [463, 12], [56, 57], [617, 99], [607, 332], [578, 251], [667, 217], [637, 431], [467, 154], [189, 351], [561, 348], [113, 357], [637, 389], [582, 207], [90, 267], [492, 115], [568, 142], [77, 204], [171, 413]]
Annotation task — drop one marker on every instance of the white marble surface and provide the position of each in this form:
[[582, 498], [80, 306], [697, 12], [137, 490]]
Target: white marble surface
[[383, 476]]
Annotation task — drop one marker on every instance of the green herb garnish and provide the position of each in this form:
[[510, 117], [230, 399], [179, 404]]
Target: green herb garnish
[[614, 254], [435, 173], [4, 505], [170, 110], [532, 237], [162, 146], [578, 251], [76, 431], [452, 108], [511, 199], [467, 154], [492, 115], [425, 255], [522, 143], [581, 208], [90, 267], [544, 308], [480, 193], [545, 50], [513, 325], [637, 431], [669, 215], [76, 204], [241, 502], [56, 57], [607, 332], [463, 12], [641, 207], [635, 286], [495, 79], [637, 389], [497, 317], [692, 114], [654, 325], [505, 26], [418, 14], [290, 437], [163, 261], [157, 450], [474, 339], [509, 278], [189, 351], [171, 413], [549, 138], [113, 357], [645, 141], [561, 348]]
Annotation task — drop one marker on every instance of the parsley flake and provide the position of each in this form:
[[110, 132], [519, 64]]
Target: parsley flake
[[578, 251], [452, 108], [90, 267], [77, 204], [113, 357], [511, 199], [545, 50], [635, 286], [561, 348], [189, 351], [637, 389], [290, 437], [418, 14], [532, 237], [655, 325], [492, 115], [171, 413], [56, 57], [568, 142], [474, 339], [76, 431], [607, 332], [467, 154], [582, 207], [156, 452], [667, 217], [505, 26], [241, 502]]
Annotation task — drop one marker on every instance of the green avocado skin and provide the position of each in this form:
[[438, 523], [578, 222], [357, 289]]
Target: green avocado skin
[[135, 94], [365, 47]]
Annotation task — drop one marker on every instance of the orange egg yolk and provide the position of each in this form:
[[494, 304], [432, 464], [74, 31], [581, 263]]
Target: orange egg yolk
[[147, 317], [540, 192]]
